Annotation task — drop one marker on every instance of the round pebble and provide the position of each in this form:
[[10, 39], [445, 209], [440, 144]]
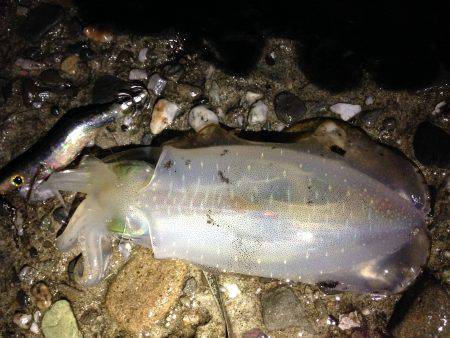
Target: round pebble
[[200, 117], [164, 112], [289, 108], [156, 84], [70, 64], [258, 113], [138, 74], [143, 55], [346, 110], [98, 34], [42, 295], [22, 320]]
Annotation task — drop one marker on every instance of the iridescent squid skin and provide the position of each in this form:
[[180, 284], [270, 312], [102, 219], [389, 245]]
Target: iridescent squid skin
[[328, 206], [64, 142]]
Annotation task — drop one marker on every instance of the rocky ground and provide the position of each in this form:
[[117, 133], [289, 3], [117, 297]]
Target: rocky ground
[[59, 55]]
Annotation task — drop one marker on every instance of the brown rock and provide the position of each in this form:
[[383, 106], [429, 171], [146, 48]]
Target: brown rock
[[98, 34], [144, 291], [70, 64]]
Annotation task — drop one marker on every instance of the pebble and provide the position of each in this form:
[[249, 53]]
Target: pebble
[[438, 108], [23, 298], [134, 307], [34, 328], [125, 56], [40, 20], [143, 54], [289, 108], [42, 295], [349, 321], [251, 97], [173, 71], [369, 117], [37, 315], [70, 65], [214, 93], [27, 274], [187, 91], [200, 117], [190, 287], [281, 309], [431, 145], [147, 139], [60, 215], [138, 74], [156, 84], [346, 110], [59, 321], [33, 95], [22, 320], [98, 34], [164, 112], [388, 125], [258, 113], [28, 64], [369, 100]]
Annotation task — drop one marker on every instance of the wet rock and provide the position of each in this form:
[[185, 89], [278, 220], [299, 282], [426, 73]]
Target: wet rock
[[138, 74], [159, 283], [60, 215], [258, 113], [426, 315], [184, 91], [42, 296], [439, 108], [190, 286], [32, 94], [289, 108], [254, 333], [147, 139], [40, 20], [60, 322], [213, 91], [106, 88], [23, 299], [164, 112], [98, 34], [22, 320], [52, 78], [369, 117], [369, 100], [387, 128], [281, 309], [200, 117], [156, 84], [346, 110], [27, 274], [431, 145], [173, 71], [34, 328]]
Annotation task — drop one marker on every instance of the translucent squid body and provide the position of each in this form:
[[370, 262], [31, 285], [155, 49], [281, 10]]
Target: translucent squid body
[[327, 205]]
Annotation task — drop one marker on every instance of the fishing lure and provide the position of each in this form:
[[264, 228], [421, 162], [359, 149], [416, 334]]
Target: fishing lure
[[326, 206], [65, 141]]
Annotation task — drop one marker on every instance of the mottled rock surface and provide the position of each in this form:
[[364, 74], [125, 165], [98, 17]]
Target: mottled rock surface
[[144, 291], [59, 322]]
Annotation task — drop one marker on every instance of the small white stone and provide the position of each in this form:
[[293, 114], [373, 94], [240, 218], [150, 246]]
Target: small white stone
[[138, 74], [156, 84], [232, 290], [125, 249], [438, 108], [37, 316], [200, 117], [35, 328], [22, 320], [346, 110], [349, 321], [164, 112], [369, 100], [279, 126], [258, 113], [251, 97], [143, 55]]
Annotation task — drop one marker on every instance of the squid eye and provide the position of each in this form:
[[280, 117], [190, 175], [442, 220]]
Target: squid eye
[[17, 180]]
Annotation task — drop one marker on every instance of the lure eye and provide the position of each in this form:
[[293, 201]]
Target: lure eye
[[17, 180]]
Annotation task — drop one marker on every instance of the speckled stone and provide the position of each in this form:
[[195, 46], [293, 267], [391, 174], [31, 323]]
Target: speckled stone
[[289, 108], [59, 322], [144, 291]]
